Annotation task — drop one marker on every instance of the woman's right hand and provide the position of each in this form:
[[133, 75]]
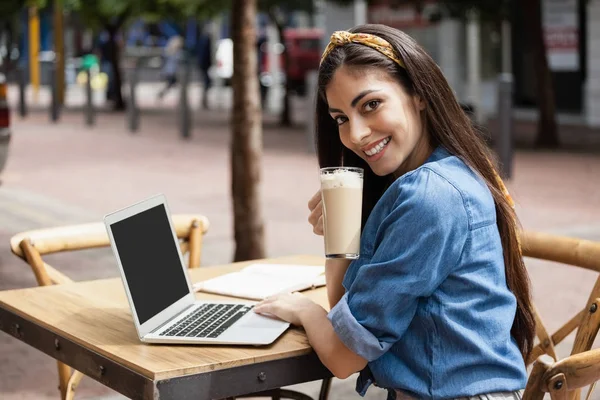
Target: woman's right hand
[[315, 218]]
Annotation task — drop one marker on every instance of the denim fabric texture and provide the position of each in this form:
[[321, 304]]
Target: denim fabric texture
[[427, 302]]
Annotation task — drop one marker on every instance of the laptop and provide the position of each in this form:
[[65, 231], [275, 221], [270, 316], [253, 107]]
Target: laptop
[[163, 304]]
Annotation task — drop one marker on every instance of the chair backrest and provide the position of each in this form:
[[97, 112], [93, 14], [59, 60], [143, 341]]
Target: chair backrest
[[32, 245], [574, 252], [562, 378]]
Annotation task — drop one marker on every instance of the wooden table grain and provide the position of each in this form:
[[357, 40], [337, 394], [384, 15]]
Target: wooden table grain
[[88, 325]]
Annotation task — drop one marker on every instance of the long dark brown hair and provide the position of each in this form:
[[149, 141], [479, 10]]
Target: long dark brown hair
[[448, 125]]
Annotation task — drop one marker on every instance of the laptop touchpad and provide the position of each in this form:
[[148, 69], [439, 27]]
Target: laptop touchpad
[[254, 320]]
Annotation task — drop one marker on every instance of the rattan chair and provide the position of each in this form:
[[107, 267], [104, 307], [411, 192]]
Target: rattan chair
[[32, 245], [572, 252]]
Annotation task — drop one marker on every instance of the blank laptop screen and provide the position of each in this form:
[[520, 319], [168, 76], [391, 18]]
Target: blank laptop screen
[[150, 261]]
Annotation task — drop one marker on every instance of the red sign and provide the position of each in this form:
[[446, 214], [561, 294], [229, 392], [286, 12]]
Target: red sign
[[561, 38]]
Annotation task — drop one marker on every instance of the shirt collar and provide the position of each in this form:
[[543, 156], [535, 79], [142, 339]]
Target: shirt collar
[[439, 153]]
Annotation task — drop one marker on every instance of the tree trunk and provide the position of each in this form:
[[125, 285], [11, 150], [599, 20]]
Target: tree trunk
[[246, 145], [114, 57], [286, 116], [547, 131], [59, 48]]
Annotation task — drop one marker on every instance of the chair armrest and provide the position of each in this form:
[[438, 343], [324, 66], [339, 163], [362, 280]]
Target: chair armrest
[[63, 238], [566, 250], [579, 370], [183, 222], [87, 236]]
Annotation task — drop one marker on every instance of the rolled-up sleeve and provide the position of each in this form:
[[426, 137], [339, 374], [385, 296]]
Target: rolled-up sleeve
[[418, 241]]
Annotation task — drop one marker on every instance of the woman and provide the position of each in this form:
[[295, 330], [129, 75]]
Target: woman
[[172, 54], [438, 305]]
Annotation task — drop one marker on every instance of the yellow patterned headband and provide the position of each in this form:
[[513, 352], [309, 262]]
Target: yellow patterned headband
[[340, 38]]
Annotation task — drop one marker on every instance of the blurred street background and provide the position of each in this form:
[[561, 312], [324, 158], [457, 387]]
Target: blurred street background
[[92, 128]]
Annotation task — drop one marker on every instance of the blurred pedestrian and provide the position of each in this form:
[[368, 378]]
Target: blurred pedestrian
[[204, 64], [172, 54], [104, 49], [263, 69]]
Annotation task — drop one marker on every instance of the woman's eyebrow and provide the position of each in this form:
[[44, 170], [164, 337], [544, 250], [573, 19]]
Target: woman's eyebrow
[[361, 95], [356, 99]]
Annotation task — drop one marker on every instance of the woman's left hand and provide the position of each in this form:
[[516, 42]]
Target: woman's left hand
[[290, 307]]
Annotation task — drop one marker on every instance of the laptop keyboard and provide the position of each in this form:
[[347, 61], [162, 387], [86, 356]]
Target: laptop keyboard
[[208, 321]]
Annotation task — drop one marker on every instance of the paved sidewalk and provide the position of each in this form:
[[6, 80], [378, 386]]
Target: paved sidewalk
[[65, 173]]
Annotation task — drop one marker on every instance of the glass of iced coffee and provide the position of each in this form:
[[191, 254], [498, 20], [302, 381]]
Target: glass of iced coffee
[[341, 194]]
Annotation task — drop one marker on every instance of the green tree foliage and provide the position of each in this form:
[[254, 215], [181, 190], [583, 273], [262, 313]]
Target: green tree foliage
[[179, 10], [8, 8], [99, 14]]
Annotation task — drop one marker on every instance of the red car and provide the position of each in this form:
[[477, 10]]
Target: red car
[[303, 46], [304, 53]]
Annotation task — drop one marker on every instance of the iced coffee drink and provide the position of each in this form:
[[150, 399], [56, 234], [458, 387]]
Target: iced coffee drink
[[341, 193]]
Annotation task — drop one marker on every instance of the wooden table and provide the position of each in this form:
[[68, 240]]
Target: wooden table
[[88, 325]]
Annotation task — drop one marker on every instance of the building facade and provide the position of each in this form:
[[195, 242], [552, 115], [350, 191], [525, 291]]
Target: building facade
[[571, 30]]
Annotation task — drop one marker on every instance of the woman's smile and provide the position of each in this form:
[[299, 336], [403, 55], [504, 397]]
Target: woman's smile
[[374, 151]]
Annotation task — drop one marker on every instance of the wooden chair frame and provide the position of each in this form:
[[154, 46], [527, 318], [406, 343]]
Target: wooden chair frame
[[30, 246], [575, 252], [562, 378]]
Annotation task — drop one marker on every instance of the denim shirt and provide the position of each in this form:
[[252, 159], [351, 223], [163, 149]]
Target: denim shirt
[[427, 304]]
